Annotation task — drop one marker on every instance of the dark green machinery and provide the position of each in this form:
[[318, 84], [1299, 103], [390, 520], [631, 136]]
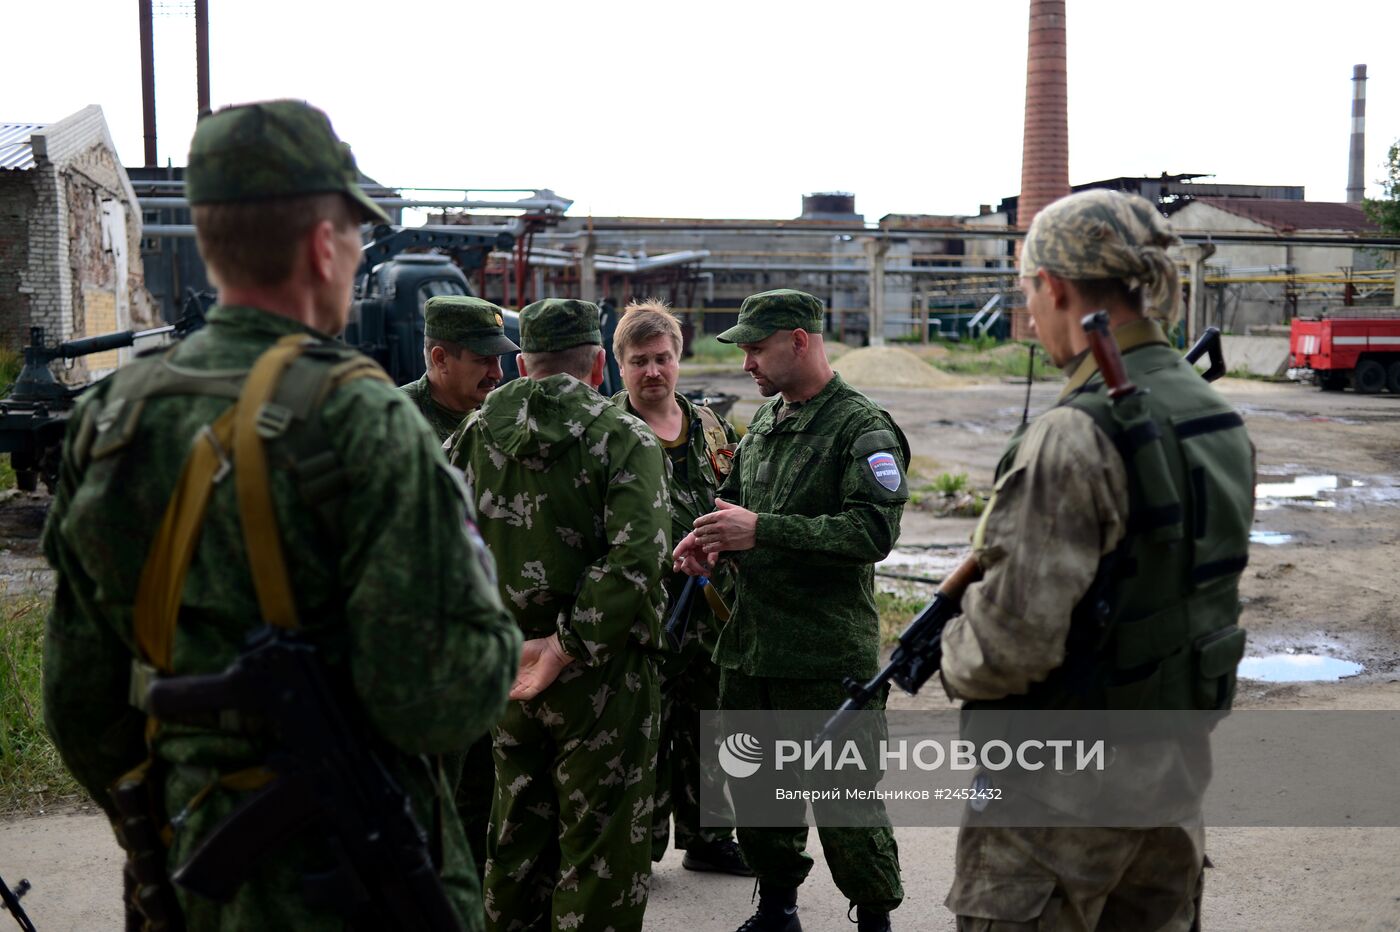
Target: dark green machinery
[[35, 412]]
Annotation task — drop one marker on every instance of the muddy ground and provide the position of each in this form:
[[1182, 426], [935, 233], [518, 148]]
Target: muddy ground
[[1321, 582]]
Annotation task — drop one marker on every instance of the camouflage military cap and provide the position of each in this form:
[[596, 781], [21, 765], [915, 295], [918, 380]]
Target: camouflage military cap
[[558, 324], [1106, 234], [472, 322], [761, 315], [271, 149]]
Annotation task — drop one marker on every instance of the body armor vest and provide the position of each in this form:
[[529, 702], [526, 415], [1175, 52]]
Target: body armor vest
[[1157, 628]]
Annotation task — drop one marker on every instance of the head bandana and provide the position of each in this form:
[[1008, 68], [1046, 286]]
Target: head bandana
[[1107, 234]]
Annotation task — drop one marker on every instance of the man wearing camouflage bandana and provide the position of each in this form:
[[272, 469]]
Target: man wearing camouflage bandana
[[1082, 583], [574, 506], [425, 658], [464, 338], [813, 502]]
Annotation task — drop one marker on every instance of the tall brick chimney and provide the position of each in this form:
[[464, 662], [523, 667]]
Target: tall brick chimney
[[1045, 147]]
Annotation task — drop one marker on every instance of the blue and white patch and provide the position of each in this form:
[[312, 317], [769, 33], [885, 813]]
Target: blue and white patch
[[885, 469]]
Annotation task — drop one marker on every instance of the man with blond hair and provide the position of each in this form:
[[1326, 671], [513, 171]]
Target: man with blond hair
[[699, 446]]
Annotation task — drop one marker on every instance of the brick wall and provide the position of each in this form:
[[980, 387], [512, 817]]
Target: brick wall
[[17, 198]]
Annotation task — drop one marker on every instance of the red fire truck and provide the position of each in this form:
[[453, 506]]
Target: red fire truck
[[1359, 347]]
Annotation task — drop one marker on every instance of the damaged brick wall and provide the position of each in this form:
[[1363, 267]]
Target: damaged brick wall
[[17, 199], [105, 274]]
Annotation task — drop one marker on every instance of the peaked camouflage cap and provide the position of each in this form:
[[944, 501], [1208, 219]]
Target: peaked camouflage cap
[[763, 314], [1107, 234], [467, 321], [271, 149], [556, 324]]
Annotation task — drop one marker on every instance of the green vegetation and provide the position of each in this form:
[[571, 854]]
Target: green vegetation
[[896, 611], [984, 356], [1385, 211], [31, 774], [947, 483], [708, 351], [10, 364]]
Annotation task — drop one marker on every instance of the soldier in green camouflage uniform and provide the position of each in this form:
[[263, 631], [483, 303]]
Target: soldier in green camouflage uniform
[[699, 447], [813, 502], [1068, 535], [573, 503], [428, 656], [464, 338]]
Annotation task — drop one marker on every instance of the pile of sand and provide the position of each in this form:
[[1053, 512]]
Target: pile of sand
[[891, 367]]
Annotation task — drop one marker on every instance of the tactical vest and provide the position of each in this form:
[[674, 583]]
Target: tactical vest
[[1157, 628]]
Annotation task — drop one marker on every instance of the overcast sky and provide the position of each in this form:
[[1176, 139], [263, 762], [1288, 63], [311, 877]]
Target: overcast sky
[[735, 109]]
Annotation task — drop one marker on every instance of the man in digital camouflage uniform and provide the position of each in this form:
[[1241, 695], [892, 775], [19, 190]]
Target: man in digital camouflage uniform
[[573, 503], [427, 657], [1091, 599], [464, 338], [700, 446], [813, 502]]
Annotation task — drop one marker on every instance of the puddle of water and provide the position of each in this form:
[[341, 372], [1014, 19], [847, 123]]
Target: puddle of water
[[1301, 487], [1270, 538], [1319, 491], [1295, 668], [928, 564]]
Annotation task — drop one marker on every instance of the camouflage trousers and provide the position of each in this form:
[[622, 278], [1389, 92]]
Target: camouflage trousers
[[689, 684], [570, 836], [474, 775], [864, 862], [1073, 879]]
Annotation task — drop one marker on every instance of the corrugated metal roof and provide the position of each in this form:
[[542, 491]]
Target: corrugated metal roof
[[1288, 216], [15, 152]]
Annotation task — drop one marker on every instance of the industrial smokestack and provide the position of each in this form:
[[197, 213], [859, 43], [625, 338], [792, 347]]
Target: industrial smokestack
[[201, 54], [1356, 176], [148, 79], [1045, 145]]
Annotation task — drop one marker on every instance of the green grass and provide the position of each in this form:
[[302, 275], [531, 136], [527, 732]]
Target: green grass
[[709, 351], [31, 774], [896, 611], [10, 364], [986, 357], [947, 483]]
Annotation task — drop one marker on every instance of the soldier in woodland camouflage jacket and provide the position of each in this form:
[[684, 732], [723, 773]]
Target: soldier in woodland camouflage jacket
[[574, 506]]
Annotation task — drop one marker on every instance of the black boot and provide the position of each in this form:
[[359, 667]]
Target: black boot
[[720, 857], [871, 920], [777, 912]]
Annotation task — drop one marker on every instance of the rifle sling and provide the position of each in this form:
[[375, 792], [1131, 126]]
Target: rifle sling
[[260, 535], [158, 594]]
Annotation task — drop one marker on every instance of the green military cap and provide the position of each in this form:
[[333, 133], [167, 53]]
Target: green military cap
[[472, 322], [274, 148], [558, 324], [761, 315]]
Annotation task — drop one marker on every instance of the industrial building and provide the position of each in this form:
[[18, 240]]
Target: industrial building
[[70, 236]]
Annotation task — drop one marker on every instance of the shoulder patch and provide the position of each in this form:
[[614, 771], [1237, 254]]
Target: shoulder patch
[[885, 470]]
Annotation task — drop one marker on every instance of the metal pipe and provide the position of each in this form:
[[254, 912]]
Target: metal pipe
[[148, 79], [201, 53], [541, 204]]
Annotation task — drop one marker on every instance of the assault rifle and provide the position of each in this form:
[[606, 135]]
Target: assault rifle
[[9, 902], [918, 655], [326, 780]]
